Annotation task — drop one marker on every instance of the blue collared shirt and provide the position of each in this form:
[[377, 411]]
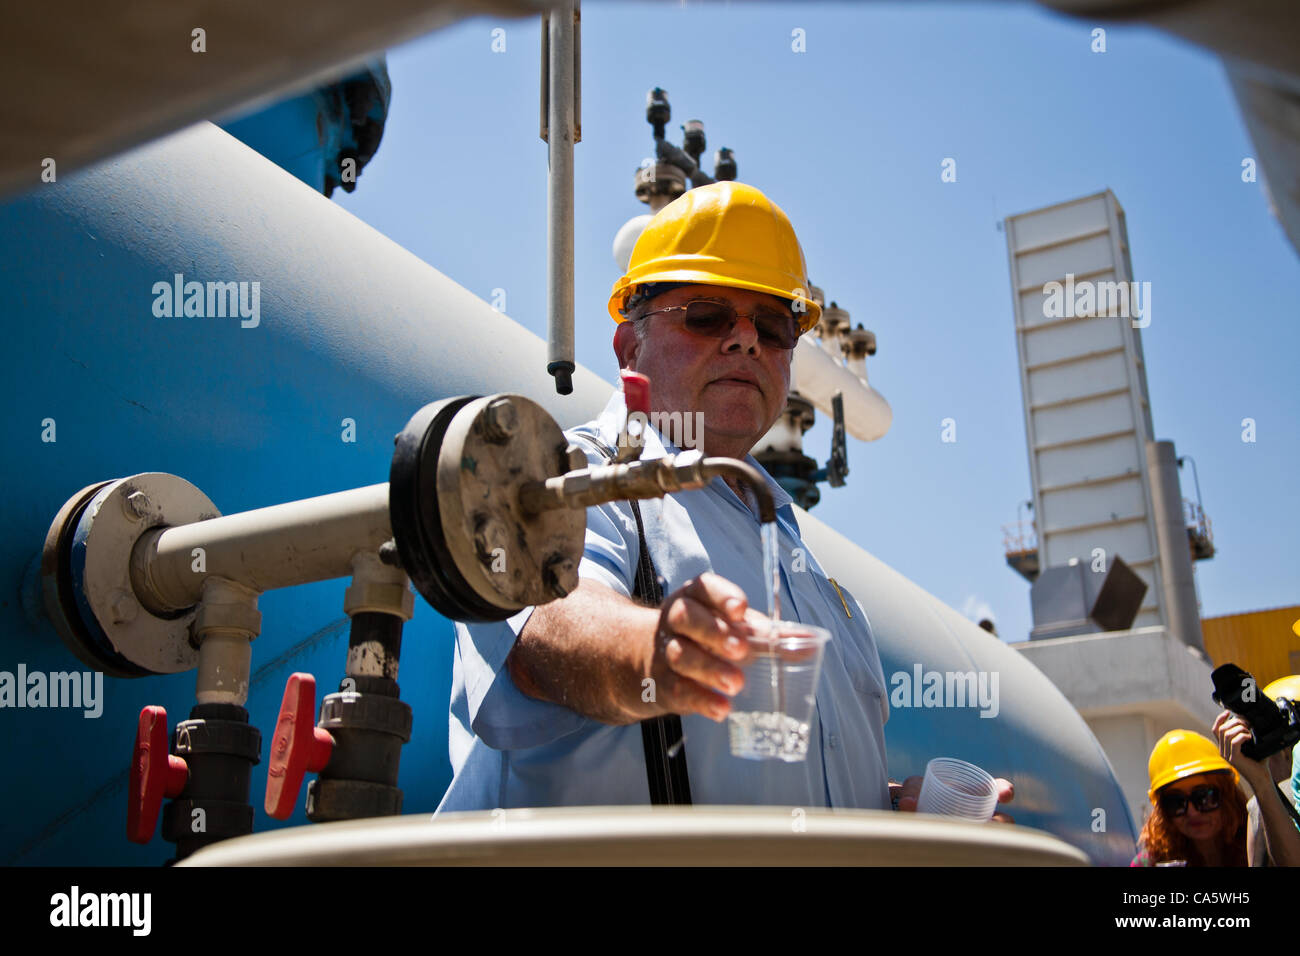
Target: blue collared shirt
[[511, 750]]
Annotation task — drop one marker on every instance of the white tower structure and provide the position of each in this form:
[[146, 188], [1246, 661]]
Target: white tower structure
[[1116, 619]]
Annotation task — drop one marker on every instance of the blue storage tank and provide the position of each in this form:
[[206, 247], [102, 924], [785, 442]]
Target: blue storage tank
[[349, 327]]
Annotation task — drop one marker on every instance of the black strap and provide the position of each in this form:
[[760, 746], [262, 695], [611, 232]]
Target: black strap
[[665, 753], [661, 737]]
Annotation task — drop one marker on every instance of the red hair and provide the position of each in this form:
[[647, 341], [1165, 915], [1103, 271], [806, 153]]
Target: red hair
[[1163, 841]]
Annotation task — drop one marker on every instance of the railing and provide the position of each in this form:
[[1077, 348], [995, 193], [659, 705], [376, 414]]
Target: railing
[[1200, 532], [1019, 537]]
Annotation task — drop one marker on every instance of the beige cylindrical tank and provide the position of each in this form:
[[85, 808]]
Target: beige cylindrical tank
[[635, 836]]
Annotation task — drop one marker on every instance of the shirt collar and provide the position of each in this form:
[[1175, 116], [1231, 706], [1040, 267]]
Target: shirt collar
[[610, 423]]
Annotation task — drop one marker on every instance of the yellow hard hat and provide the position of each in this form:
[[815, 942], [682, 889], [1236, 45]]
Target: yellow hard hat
[[1183, 753], [1288, 687], [726, 234]]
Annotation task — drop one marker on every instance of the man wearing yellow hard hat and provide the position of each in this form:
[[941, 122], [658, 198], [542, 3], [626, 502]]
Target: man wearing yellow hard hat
[[556, 706]]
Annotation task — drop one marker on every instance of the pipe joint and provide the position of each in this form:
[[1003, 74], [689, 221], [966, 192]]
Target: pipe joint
[[224, 628], [227, 608], [378, 588]]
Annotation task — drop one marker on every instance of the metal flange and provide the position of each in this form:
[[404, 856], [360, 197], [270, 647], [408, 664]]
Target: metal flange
[[468, 546], [59, 593], [86, 575], [413, 511], [510, 558]]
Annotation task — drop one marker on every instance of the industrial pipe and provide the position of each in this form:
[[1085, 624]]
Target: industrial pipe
[[473, 479], [818, 376], [281, 546], [649, 478], [1181, 610]]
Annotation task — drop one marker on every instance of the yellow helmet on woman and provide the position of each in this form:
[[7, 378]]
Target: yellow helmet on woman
[[726, 234], [1183, 753]]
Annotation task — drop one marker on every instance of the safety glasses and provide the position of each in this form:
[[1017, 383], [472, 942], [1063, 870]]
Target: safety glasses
[[716, 319], [1174, 803]]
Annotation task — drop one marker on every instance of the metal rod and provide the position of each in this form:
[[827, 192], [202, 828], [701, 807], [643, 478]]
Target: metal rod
[[562, 49], [281, 546], [649, 478], [1196, 481]]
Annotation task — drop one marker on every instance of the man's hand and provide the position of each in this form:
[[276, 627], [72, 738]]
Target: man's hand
[[1232, 732], [909, 791], [597, 652], [1281, 841], [703, 630]]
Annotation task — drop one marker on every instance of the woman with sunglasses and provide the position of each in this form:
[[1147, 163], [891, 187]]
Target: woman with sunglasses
[[1198, 815]]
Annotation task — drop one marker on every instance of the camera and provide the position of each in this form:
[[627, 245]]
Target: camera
[[1274, 724]]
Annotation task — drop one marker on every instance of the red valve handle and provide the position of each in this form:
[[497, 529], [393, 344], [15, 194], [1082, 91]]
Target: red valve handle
[[154, 774], [298, 746], [636, 392]]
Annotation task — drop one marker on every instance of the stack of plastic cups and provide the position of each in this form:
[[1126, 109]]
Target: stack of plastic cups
[[956, 788]]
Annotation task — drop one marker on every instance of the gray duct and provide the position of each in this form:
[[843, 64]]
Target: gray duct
[[1178, 598]]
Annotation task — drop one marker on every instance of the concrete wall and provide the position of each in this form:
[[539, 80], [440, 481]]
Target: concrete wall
[[1131, 687]]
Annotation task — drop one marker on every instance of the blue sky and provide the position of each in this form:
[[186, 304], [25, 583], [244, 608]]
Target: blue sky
[[848, 138]]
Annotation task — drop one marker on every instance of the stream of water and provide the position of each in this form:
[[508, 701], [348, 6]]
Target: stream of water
[[762, 728]]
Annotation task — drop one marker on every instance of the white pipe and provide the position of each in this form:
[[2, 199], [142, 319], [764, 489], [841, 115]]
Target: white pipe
[[817, 376], [313, 539], [227, 623]]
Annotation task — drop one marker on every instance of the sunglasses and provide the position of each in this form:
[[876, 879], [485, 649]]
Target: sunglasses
[[1174, 803], [717, 320]]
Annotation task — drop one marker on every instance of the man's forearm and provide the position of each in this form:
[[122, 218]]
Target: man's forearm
[[589, 652]]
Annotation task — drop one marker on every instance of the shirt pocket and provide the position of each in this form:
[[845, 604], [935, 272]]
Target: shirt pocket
[[856, 642]]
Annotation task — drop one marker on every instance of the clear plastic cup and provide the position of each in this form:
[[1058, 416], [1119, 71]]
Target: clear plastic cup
[[771, 716], [956, 788]]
